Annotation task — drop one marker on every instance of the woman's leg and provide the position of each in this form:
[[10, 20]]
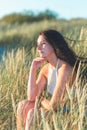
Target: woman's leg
[[29, 119], [23, 108]]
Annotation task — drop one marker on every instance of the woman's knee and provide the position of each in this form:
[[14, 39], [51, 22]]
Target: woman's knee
[[21, 106], [24, 106], [30, 114]]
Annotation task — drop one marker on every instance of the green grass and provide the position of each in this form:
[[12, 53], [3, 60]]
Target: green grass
[[14, 72], [13, 86]]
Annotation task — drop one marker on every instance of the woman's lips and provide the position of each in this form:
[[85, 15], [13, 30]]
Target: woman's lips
[[41, 52]]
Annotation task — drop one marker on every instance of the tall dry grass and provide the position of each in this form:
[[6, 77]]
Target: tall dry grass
[[14, 72], [13, 85]]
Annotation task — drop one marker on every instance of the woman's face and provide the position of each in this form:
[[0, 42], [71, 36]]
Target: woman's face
[[44, 48]]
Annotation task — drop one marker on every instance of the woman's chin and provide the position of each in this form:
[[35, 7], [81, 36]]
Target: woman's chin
[[42, 56]]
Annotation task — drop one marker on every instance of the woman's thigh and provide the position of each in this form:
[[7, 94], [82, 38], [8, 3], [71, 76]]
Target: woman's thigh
[[23, 108], [28, 106]]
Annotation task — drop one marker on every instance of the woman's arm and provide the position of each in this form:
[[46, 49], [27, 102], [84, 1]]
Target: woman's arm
[[63, 75], [35, 86]]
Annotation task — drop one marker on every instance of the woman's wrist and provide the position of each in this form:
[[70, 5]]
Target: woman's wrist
[[45, 104], [31, 101], [33, 69]]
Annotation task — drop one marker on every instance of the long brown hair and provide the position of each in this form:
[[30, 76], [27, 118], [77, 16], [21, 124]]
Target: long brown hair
[[61, 48], [63, 51]]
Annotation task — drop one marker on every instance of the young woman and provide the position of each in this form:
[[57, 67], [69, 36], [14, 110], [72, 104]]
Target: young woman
[[60, 59]]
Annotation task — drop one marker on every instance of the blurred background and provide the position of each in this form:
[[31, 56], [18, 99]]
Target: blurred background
[[20, 23], [21, 20]]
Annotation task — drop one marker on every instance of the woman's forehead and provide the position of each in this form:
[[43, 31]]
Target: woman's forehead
[[41, 38]]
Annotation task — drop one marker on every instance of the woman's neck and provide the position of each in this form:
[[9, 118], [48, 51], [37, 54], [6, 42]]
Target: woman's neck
[[52, 60]]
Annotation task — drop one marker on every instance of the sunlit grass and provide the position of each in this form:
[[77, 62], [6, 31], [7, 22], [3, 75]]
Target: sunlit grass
[[14, 72], [13, 85]]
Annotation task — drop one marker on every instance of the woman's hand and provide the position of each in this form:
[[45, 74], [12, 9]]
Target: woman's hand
[[37, 62], [45, 104]]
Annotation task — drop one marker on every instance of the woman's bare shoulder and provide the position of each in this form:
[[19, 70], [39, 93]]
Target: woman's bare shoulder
[[65, 67], [65, 70]]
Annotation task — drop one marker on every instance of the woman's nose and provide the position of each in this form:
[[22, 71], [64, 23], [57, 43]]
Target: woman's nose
[[39, 47]]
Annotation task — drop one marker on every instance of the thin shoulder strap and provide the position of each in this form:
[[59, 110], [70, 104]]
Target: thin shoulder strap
[[57, 64]]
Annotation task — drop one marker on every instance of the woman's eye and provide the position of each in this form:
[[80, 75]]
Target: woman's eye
[[43, 43]]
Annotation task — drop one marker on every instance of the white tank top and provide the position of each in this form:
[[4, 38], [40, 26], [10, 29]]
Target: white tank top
[[52, 78]]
